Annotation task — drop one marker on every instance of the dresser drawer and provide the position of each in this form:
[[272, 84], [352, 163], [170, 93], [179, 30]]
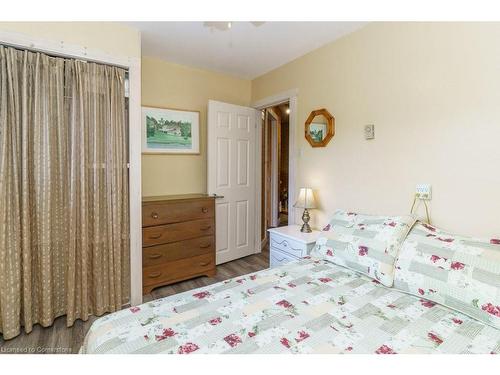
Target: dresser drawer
[[277, 258], [159, 254], [163, 234], [175, 212], [291, 247], [178, 270]]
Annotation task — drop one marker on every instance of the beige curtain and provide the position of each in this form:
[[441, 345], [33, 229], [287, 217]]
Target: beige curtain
[[64, 234]]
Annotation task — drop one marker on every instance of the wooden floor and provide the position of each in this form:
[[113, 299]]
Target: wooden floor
[[60, 339]]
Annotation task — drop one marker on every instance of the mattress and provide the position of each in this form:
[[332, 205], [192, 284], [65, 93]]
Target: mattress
[[306, 306]]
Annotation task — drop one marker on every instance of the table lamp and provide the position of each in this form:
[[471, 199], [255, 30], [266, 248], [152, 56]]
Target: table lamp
[[305, 201]]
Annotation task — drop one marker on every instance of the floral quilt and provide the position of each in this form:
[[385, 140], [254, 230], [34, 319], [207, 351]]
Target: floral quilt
[[306, 306], [460, 272]]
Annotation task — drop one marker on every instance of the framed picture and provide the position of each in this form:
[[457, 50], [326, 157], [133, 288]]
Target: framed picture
[[317, 131], [170, 131]]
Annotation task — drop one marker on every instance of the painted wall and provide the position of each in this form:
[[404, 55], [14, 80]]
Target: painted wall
[[432, 91], [170, 85], [108, 37]]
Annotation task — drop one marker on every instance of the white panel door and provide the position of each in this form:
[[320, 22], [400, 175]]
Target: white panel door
[[231, 174]]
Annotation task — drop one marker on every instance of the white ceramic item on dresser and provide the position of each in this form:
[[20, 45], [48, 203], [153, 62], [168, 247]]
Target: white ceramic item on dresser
[[289, 243]]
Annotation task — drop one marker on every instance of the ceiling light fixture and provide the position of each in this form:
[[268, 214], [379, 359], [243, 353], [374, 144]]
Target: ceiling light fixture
[[225, 25], [287, 111]]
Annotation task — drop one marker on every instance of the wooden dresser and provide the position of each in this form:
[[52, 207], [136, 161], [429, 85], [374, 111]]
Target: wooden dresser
[[178, 239]]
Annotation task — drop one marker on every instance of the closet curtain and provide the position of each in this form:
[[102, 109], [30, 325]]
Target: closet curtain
[[64, 211]]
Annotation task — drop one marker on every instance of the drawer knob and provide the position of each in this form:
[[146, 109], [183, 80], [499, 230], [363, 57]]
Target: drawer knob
[[204, 210], [204, 264], [204, 246], [155, 237], [154, 215], [206, 228], [155, 256], [154, 275]]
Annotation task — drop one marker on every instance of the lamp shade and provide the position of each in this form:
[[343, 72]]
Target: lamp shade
[[306, 199]]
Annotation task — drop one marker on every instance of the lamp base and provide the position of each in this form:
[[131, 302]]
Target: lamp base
[[306, 228], [305, 218]]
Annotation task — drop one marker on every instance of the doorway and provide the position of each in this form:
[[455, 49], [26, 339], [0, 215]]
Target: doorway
[[275, 167]]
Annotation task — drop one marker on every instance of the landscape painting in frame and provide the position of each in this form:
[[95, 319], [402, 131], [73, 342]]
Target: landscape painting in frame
[[170, 131]]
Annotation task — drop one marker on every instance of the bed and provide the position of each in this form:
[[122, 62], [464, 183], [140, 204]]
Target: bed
[[307, 306]]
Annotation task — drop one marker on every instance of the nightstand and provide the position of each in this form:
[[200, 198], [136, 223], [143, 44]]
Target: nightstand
[[289, 243]]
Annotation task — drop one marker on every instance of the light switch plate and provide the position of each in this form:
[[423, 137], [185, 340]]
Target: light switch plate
[[369, 131], [424, 191]]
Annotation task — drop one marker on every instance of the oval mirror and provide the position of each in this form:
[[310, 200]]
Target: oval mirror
[[320, 128]]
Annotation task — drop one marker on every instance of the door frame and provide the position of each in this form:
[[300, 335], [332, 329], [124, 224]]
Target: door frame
[[290, 96], [274, 121], [133, 64]]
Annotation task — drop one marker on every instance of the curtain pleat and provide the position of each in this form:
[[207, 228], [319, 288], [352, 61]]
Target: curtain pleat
[[64, 235]]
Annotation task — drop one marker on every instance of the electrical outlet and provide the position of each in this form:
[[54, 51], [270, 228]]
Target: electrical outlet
[[369, 131], [423, 191]]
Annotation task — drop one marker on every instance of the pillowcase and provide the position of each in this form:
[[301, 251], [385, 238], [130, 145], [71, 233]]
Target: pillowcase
[[365, 243], [459, 272]]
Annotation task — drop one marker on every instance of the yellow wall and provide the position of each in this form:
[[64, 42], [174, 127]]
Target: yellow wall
[[174, 86], [432, 91], [109, 37]]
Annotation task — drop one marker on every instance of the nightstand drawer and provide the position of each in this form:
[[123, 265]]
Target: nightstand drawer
[[278, 258], [288, 246], [289, 243]]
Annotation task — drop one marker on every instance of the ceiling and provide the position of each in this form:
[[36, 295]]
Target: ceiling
[[245, 50]]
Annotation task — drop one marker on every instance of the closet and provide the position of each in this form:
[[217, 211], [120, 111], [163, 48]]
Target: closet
[[64, 190]]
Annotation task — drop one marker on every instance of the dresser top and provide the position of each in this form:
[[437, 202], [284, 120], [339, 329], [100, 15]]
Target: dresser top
[[179, 197], [293, 232]]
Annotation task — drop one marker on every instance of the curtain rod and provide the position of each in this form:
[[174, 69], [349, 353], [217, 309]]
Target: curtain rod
[[60, 55]]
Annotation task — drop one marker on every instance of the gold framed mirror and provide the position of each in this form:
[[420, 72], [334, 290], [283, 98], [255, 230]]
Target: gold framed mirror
[[319, 128]]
